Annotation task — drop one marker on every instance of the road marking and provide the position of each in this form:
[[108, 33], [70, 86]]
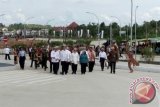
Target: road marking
[[28, 77]]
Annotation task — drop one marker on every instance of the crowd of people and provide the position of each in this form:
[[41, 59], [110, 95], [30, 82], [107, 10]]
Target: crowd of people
[[74, 56]]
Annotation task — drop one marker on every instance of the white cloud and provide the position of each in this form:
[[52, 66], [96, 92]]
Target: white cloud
[[19, 10], [21, 17], [8, 17], [146, 16], [4, 0], [106, 19], [66, 11]]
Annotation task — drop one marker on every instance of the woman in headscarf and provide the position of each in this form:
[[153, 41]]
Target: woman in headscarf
[[83, 62]]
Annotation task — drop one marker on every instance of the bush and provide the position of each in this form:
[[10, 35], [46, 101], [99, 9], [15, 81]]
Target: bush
[[149, 54], [56, 43], [19, 45], [69, 42], [40, 44], [83, 42]]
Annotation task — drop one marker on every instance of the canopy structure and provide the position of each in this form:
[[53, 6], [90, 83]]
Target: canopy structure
[[141, 41]]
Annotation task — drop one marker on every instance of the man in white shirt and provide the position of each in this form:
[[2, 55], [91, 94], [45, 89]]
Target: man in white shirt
[[102, 58], [65, 56], [55, 58], [75, 60], [68, 58], [22, 58], [7, 53]]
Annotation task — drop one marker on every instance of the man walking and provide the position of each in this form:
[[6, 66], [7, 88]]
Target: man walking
[[102, 58], [114, 56], [22, 58], [55, 58], [7, 53], [32, 57], [91, 55], [63, 57], [75, 60]]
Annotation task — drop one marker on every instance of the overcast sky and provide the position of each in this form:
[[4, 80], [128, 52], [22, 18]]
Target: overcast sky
[[67, 11]]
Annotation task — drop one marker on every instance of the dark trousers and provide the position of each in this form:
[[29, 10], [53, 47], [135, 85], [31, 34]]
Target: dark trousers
[[91, 65], [67, 66], [113, 67], [64, 67], [22, 61], [30, 55], [35, 63], [74, 68], [55, 67], [44, 64], [7, 56], [102, 60], [83, 68], [15, 59], [108, 65], [51, 66]]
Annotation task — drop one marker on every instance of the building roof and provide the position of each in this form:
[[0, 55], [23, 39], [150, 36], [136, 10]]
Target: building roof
[[73, 25]]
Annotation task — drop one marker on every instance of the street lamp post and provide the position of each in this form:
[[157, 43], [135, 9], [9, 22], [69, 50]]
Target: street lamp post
[[156, 29], [111, 33], [29, 18], [48, 23], [2, 15], [98, 26], [119, 22], [136, 31], [131, 21]]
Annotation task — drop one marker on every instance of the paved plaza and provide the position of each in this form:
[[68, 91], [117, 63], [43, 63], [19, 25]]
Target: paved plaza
[[39, 88]]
